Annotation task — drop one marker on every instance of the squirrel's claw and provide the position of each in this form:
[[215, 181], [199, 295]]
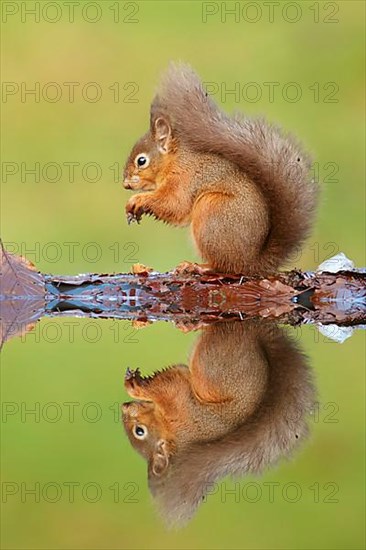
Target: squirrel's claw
[[132, 375], [136, 385], [132, 218], [190, 268], [188, 326], [134, 209]]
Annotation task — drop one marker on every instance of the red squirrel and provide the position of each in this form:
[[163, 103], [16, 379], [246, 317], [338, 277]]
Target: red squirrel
[[239, 406], [242, 184]]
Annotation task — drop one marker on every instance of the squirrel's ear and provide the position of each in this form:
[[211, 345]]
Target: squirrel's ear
[[162, 134], [160, 459]]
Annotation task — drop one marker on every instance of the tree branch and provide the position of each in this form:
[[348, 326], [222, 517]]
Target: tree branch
[[189, 300]]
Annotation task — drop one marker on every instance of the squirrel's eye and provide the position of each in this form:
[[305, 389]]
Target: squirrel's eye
[[140, 432], [142, 161]]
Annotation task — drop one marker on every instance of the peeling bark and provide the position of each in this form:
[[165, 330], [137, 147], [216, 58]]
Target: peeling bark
[[189, 300]]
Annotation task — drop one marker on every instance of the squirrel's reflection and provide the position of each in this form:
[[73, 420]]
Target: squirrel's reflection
[[240, 405]]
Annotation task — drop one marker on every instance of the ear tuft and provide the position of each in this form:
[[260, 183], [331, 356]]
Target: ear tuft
[[160, 460], [162, 134]]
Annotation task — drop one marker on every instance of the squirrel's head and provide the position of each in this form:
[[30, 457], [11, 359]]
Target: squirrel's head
[[146, 431], [154, 420], [151, 158]]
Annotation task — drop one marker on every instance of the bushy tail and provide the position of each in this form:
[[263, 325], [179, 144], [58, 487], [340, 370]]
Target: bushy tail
[[275, 431], [273, 160]]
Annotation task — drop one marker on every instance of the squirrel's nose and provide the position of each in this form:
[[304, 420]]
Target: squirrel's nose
[[129, 181]]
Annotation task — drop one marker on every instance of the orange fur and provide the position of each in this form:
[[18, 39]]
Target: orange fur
[[243, 184], [239, 407]]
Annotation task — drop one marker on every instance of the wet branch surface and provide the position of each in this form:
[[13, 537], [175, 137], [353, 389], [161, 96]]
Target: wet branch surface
[[189, 300], [291, 297]]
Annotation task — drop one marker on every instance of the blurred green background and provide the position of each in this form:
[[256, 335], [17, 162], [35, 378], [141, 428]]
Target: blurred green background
[[123, 51]]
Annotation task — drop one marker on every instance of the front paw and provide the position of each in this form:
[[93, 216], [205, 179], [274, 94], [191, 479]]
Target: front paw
[[135, 208], [136, 385], [190, 268]]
